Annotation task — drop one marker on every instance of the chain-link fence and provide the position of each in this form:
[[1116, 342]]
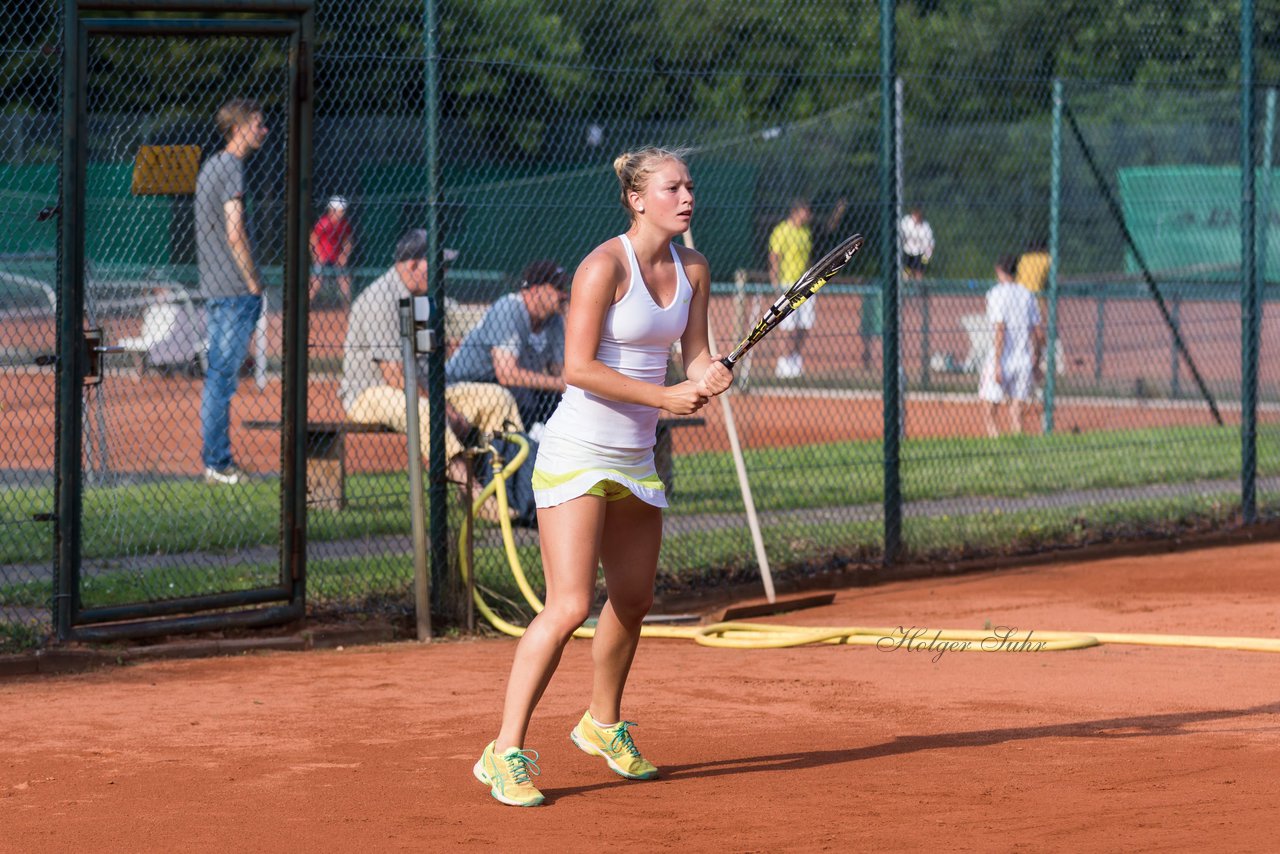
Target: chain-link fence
[[29, 138], [1108, 142], [175, 142]]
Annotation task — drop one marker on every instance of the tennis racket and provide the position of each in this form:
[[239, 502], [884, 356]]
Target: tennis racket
[[808, 283]]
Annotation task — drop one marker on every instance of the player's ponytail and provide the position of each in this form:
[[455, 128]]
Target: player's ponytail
[[634, 168]]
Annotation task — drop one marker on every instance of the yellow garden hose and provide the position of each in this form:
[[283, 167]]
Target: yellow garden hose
[[739, 635]]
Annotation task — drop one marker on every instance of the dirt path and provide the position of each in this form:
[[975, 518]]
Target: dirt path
[[1114, 748]]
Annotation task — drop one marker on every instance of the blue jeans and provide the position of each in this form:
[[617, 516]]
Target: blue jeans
[[230, 325]]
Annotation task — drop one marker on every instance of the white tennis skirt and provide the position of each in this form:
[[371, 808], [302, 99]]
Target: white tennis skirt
[[568, 467]]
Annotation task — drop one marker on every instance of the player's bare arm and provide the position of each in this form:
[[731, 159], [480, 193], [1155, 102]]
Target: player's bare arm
[[238, 241], [392, 374], [507, 370], [997, 349]]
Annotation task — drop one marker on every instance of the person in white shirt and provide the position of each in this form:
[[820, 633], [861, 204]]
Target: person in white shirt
[[1012, 367], [916, 238]]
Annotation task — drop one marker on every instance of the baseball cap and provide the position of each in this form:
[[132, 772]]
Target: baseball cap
[[544, 272], [413, 246], [338, 203]]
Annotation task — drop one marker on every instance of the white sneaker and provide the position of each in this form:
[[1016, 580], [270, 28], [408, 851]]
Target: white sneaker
[[788, 367], [229, 474]]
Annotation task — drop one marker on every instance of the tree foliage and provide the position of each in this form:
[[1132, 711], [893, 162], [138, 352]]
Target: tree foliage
[[511, 67]]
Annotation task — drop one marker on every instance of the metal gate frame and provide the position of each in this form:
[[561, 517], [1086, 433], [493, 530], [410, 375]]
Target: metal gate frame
[[294, 19]]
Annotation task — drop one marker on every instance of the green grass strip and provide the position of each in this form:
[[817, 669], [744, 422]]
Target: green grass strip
[[851, 473], [176, 516], [688, 561]]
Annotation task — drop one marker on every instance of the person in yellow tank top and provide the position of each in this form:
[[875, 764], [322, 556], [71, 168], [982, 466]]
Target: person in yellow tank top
[[1033, 274], [790, 251], [790, 245], [1033, 268]]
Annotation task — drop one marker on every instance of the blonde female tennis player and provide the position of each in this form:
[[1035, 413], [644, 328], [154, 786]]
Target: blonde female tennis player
[[598, 494]]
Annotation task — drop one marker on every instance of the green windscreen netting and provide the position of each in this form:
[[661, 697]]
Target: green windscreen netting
[[1186, 219]]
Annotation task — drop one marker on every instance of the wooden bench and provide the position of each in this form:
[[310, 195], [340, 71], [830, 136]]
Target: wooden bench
[[326, 458]]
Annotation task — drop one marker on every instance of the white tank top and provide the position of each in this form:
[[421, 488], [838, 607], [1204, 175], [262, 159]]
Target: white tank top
[[636, 341]]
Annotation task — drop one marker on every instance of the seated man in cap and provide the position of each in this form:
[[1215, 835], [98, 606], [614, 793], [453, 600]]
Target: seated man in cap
[[520, 344], [372, 387], [331, 244]]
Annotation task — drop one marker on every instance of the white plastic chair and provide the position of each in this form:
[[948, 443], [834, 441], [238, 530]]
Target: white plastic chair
[[172, 333], [981, 339]]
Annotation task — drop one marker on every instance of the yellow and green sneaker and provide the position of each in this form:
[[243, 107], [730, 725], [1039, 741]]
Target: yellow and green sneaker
[[508, 775], [615, 745]]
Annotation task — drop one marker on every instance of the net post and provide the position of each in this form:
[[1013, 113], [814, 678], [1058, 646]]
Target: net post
[[1250, 302], [1055, 218], [70, 400], [892, 376], [437, 482]]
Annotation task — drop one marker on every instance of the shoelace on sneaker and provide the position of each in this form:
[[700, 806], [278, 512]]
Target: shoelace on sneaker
[[521, 765], [622, 740]]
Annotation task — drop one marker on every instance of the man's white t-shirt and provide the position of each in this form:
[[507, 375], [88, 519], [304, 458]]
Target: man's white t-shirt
[[1014, 306], [916, 237]]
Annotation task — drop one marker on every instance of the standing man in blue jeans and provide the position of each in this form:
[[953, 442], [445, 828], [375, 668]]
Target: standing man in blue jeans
[[229, 278]]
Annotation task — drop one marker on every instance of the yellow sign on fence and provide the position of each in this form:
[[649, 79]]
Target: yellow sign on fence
[[161, 170]]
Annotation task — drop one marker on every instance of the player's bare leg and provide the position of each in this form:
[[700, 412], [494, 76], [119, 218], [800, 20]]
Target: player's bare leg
[[1015, 416], [798, 336], [989, 418], [790, 365], [569, 535], [629, 552]]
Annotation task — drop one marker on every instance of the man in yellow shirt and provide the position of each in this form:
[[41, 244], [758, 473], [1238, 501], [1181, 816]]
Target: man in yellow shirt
[[1033, 268], [1033, 274], [790, 247]]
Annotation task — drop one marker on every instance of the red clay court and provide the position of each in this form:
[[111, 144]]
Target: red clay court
[[1111, 748]]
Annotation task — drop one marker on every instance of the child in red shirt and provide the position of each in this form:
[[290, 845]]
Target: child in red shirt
[[331, 242]]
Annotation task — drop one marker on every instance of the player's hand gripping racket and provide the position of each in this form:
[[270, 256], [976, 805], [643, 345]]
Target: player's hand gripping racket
[[808, 283]]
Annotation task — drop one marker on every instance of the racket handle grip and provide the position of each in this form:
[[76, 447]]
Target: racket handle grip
[[727, 362]]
